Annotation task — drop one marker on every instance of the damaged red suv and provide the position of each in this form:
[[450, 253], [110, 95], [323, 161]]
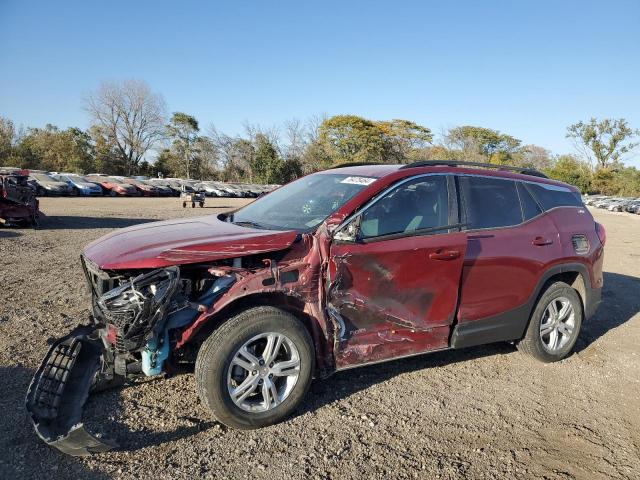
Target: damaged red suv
[[342, 268]]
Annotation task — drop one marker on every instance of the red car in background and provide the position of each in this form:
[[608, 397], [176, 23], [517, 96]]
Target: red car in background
[[342, 268], [143, 188], [113, 186]]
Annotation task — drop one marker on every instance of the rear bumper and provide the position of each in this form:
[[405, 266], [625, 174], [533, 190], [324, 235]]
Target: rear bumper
[[60, 388]]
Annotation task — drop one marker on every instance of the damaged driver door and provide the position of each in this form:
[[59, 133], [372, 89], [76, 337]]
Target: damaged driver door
[[395, 273]]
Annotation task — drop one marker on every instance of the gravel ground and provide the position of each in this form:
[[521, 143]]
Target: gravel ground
[[486, 412]]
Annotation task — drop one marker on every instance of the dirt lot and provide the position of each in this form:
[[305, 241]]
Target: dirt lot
[[485, 412]]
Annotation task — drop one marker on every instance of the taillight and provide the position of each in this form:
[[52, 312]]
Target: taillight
[[601, 232]]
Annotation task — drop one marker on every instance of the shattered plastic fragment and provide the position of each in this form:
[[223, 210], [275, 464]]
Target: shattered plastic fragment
[[59, 390]]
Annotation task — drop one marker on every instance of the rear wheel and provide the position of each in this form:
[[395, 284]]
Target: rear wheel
[[554, 325], [256, 368]]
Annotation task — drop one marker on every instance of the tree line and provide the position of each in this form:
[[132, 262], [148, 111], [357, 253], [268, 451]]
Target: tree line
[[129, 125]]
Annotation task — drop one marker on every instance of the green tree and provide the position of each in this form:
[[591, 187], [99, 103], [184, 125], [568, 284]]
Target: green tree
[[183, 130], [603, 142], [484, 144], [106, 157], [348, 138], [603, 181], [572, 170], [402, 138], [51, 149], [266, 164]]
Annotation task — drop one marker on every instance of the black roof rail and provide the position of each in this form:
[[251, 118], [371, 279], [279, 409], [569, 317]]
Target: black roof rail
[[354, 164], [456, 163]]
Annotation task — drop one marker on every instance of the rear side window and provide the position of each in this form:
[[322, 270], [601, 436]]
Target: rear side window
[[530, 207], [490, 202], [551, 196]]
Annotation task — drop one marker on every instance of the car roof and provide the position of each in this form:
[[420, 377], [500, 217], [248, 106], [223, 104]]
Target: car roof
[[383, 170]]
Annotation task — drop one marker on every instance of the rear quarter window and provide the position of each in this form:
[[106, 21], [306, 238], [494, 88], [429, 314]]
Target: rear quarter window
[[552, 196], [530, 207]]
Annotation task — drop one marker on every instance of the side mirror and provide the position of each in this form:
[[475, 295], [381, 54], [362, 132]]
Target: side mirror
[[349, 232]]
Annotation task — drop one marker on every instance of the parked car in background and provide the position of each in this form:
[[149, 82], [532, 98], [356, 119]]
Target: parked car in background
[[210, 190], [174, 187], [47, 185], [143, 188], [113, 186], [79, 185]]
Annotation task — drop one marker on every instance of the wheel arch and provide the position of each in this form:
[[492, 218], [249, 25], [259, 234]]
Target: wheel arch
[[281, 300]]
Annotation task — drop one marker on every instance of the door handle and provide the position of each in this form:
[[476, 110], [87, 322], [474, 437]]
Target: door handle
[[541, 241], [444, 255]]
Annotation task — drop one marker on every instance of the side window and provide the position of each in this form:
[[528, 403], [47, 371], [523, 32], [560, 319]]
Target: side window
[[530, 207], [419, 204], [550, 196], [490, 202]]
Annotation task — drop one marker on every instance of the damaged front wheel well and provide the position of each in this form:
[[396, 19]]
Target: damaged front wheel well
[[274, 299]]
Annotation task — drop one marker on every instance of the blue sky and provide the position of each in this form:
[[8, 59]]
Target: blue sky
[[526, 68]]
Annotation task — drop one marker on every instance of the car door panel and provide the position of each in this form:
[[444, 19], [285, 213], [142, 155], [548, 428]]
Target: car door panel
[[502, 267], [394, 297]]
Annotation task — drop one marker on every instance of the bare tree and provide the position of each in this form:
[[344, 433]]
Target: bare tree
[[131, 115], [296, 138]]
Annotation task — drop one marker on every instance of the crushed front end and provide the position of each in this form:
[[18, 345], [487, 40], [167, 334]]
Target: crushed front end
[[134, 315], [18, 202]]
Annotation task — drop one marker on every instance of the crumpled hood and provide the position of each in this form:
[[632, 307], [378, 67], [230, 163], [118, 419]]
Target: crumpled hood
[[181, 241]]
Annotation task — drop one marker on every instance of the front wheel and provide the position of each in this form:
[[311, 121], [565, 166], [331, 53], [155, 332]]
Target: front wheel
[[554, 325], [255, 369]]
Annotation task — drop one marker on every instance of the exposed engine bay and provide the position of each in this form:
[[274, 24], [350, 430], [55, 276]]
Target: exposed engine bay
[[134, 315]]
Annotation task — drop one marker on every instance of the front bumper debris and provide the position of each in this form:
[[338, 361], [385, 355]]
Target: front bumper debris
[[59, 390]]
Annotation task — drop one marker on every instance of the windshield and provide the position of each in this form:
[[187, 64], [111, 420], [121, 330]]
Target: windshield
[[303, 204], [77, 178], [42, 177]]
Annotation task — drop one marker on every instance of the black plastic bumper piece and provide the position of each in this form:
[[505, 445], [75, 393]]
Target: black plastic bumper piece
[[59, 390]]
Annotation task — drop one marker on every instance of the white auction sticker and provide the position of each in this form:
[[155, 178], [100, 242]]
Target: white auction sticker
[[359, 180]]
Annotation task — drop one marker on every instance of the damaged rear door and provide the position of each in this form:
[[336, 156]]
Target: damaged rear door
[[395, 273]]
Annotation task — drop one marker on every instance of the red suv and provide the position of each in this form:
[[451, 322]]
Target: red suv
[[341, 268]]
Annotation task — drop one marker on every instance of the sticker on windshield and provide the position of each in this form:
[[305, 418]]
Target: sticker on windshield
[[359, 180]]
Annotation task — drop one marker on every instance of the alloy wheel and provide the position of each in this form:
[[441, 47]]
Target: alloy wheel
[[557, 325], [263, 372]]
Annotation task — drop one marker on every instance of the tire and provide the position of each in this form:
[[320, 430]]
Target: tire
[[75, 192], [535, 342], [201, 204], [193, 204], [184, 204], [214, 370]]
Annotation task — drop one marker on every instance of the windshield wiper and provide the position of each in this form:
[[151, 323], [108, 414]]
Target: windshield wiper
[[249, 224]]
